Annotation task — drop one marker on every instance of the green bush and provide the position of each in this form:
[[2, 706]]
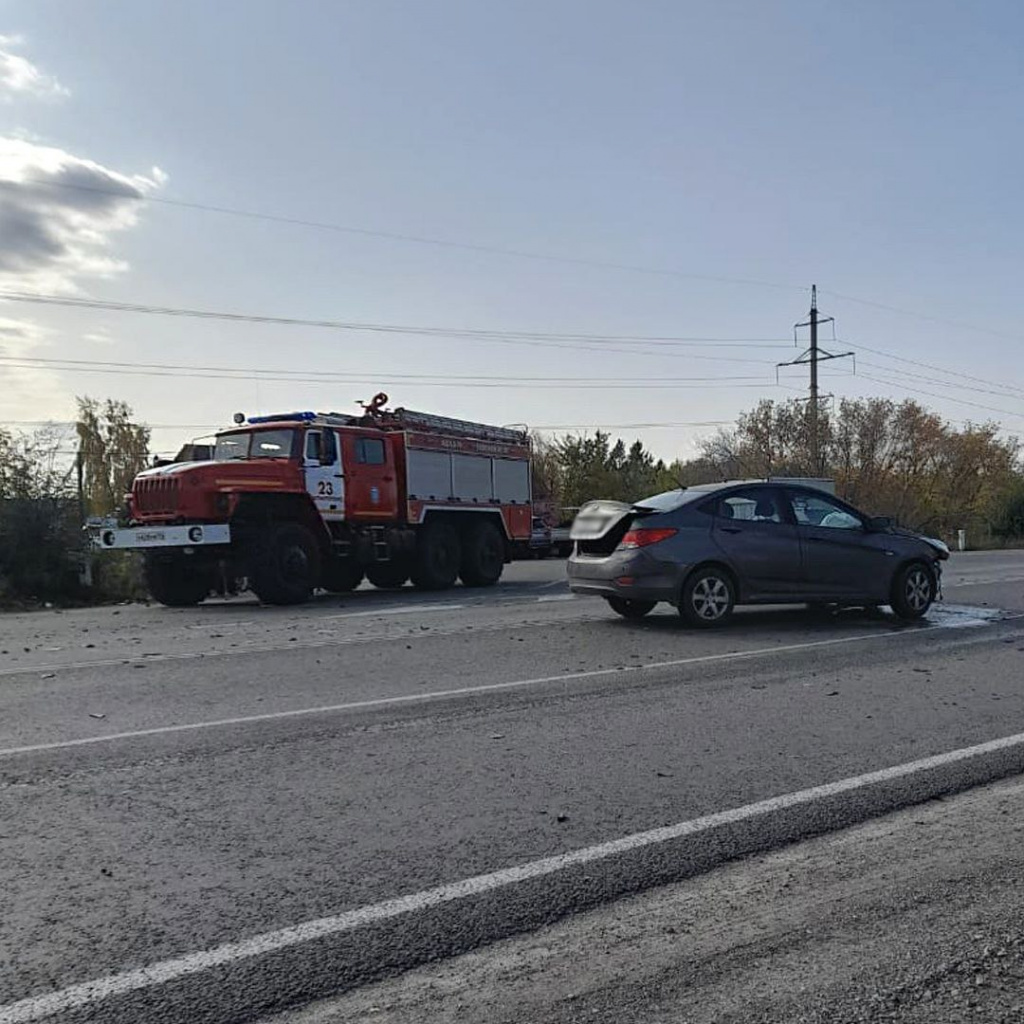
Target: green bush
[[1008, 522], [117, 576], [39, 539]]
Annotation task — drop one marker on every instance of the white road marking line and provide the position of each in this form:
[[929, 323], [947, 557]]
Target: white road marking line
[[411, 609], [465, 691], [983, 582], [89, 993], [556, 597]]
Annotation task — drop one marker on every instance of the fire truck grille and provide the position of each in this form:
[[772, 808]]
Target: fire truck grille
[[157, 495]]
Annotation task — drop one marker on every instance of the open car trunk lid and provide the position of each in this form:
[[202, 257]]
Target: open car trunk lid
[[600, 525]]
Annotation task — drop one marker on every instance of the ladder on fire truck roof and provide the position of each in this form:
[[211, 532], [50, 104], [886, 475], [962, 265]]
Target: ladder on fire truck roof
[[404, 419], [410, 419]]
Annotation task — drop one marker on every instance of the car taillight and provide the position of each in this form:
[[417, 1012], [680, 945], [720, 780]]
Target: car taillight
[[642, 538]]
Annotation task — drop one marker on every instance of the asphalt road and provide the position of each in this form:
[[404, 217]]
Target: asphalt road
[[217, 813]]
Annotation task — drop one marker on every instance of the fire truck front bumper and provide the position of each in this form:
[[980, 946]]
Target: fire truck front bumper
[[110, 538]]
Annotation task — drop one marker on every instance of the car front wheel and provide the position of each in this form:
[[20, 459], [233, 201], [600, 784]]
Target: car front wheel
[[913, 591], [709, 597]]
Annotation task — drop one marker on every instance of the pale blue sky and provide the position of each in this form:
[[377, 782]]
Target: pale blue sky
[[872, 147]]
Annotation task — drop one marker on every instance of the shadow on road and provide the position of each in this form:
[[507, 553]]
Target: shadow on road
[[774, 621]]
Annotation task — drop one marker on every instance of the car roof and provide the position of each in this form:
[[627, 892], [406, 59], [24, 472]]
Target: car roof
[[700, 490]]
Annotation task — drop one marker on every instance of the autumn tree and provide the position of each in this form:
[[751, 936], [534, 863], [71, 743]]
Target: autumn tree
[[893, 458], [30, 465], [576, 468], [113, 450]]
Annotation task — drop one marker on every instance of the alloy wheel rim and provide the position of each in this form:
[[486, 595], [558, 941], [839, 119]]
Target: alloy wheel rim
[[919, 590], [710, 598]]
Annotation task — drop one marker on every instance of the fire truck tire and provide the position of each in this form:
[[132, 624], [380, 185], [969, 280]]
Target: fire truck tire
[[388, 575], [287, 565], [341, 577], [438, 557], [175, 582], [483, 556]]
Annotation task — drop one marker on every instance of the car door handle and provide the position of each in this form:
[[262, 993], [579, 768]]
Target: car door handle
[[731, 529]]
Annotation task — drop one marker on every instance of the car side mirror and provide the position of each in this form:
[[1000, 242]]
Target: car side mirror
[[880, 524]]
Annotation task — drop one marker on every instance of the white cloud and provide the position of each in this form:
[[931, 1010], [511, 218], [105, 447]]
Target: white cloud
[[59, 216], [30, 392], [20, 77], [58, 213]]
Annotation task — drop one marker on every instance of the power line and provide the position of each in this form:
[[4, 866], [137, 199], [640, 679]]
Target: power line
[[399, 237], [931, 366], [630, 426], [347, 376], [946, 398], [638, 339], [493, 250], [387, 380], [539, 426], [958, 324], [1013, 394], [496, 336]]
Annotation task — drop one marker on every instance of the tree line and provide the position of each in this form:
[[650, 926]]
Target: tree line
[[889, 458], [49, 483]]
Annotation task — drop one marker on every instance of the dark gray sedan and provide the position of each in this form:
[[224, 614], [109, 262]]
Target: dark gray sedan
[[707, 549]]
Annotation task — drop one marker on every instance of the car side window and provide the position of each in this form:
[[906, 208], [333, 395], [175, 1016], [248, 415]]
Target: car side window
[[820, 510], [751, 506]]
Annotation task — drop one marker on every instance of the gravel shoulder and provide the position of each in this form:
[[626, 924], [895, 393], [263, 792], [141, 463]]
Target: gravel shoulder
[[916, 917]]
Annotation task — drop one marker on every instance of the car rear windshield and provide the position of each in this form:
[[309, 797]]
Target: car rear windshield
[[664, 502]]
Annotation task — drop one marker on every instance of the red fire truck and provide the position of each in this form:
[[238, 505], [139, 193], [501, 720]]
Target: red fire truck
[[299, 500]]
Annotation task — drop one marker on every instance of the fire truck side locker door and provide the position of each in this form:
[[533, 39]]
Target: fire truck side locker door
[[370, 477]]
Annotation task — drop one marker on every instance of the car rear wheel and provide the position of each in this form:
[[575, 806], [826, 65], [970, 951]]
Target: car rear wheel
[[630, 608], [913, 591], [709, 597]]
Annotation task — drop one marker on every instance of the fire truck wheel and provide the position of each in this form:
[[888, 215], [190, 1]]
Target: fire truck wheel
[[483, 556], [176, 582], [341, 576], [287, 565], [438, 557], [388, 575]]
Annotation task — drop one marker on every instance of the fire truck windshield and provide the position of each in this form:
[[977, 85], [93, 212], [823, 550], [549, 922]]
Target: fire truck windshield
[[254, 444]]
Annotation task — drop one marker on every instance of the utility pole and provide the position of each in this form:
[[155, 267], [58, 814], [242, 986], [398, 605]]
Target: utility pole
[[80, 472], [815, 454], [812, 357]]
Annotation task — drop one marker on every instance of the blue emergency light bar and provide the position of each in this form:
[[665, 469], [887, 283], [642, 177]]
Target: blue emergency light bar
[[278, 416]]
